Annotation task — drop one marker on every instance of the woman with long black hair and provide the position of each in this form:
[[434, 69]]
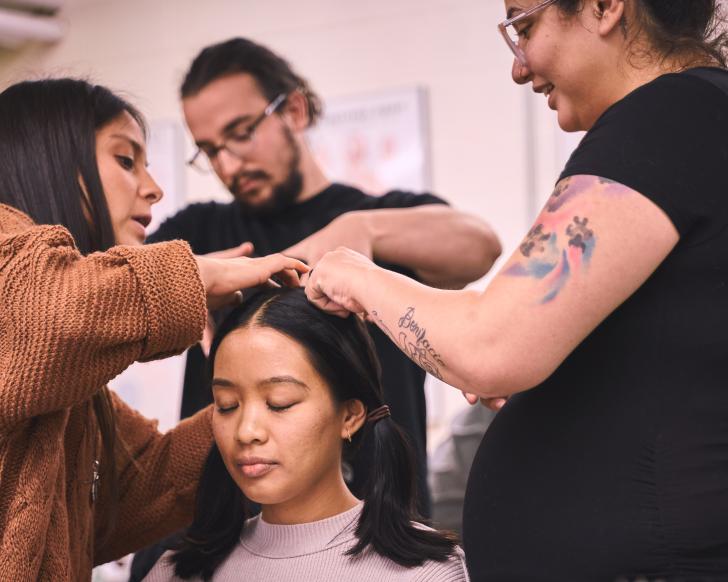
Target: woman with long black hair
[[83, 478], [604, 337], [296, 391]]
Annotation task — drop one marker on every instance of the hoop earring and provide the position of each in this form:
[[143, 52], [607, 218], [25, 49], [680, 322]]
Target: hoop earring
[[348, 435]]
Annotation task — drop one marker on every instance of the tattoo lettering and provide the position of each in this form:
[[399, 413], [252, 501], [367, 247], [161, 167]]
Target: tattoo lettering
[[535, 240], [578, 233], [412, 340]]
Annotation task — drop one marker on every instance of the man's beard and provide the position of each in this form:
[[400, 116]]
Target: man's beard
[[284, 194]]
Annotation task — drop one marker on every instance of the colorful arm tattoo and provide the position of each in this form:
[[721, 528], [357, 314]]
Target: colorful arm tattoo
[[552, 253]]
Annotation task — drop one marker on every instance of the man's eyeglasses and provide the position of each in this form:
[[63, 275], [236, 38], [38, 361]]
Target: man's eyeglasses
[[512, 33], [237, 142]]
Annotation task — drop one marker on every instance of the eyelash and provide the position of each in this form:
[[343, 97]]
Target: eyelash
[[270, 406], [126, 162]]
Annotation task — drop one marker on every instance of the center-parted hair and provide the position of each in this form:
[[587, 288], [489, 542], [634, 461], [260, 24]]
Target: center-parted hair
[[342, 352]]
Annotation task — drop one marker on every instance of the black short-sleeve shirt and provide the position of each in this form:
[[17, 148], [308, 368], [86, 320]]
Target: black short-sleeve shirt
[[617, 465]]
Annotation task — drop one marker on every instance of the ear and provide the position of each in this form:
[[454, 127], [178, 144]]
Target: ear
[[296, 111], [354, 415], [609, 14]]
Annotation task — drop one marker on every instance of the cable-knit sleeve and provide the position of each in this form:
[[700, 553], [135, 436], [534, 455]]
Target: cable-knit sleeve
[[158, 477], [69, 324]]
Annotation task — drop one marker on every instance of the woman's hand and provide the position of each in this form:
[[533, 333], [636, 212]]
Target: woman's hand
[[335, 282], [495, 404], [223, 278]]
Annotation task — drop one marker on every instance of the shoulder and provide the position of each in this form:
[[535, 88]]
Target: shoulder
[[672, 100], [23, 242], [452, 570], [392, 199], [163, 570], [12, 219]]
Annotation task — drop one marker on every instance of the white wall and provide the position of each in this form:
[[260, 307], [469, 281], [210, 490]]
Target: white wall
[[481, 123]]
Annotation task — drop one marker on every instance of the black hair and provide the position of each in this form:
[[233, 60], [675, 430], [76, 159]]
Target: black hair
[[676, 28], [272, 73], [47, 150], [343, 354]]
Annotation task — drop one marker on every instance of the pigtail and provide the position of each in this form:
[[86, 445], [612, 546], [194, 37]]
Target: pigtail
[[386, 521], [220, 513]]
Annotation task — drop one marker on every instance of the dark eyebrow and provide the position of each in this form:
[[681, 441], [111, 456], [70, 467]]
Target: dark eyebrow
[[222, 383], [284, 380], [512, 11]]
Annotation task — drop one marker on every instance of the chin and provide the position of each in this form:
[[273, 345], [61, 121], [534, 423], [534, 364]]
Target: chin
[[569, 122], [262, 494]]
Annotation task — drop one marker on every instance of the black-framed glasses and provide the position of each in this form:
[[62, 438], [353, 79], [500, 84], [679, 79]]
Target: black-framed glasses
[[511, 33], [237, 142]]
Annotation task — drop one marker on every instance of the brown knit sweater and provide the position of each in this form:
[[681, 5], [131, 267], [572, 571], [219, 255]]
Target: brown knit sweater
[[68, 325]]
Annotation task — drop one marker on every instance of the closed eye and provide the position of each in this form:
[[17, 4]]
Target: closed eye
[[241, 137], [275, 408], [226, 409]]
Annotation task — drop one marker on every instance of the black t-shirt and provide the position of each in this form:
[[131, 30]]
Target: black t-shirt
[[213, 226], [617, 465]]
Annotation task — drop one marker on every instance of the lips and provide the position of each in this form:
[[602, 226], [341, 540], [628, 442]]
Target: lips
[[254, 467], [249, 181], [145, 220]]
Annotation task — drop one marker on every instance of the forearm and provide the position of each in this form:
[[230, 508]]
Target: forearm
[[446, 248], [447, 333]]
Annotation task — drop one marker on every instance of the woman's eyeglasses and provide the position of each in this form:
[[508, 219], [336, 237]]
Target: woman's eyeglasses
[[512, 32]]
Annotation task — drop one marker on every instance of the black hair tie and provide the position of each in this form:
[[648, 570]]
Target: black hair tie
[[378, 414]]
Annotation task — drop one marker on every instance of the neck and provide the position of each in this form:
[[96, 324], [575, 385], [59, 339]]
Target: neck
[[314, 179], [326, 500]]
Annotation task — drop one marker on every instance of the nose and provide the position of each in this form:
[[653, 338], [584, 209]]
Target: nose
[[250, 427], [150, 190], [228, 166], [521, 73]]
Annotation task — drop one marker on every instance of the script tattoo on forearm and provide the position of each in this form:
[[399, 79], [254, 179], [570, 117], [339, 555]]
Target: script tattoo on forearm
[[412, 339]]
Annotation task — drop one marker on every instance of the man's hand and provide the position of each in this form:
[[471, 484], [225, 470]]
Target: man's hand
[[245, 249], [348, 230]]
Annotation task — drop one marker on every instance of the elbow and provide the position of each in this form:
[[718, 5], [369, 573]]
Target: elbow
[[502, 375], [484, 250], [490, 249]]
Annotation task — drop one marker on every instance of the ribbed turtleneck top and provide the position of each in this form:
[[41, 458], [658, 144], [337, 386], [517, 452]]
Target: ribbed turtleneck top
[[314, 552]]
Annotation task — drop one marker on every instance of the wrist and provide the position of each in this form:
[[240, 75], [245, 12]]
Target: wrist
[[369, 284]]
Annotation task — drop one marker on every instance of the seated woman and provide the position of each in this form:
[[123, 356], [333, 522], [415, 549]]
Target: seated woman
[[83, 478], [296, 391]]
